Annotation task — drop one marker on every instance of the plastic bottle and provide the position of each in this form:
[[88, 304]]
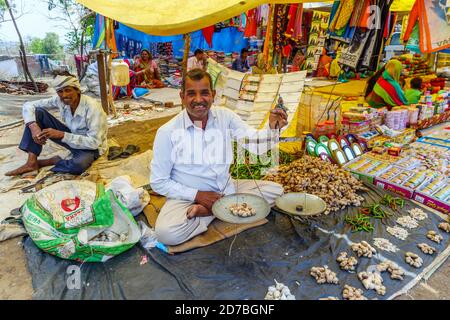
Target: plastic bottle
[[120, 73], [413, 117], [428, 97]]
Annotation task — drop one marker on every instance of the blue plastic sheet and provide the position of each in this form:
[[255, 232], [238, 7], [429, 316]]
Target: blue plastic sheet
[[227, 40]]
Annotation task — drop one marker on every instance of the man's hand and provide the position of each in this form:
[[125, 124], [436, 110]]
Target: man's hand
[[207, 198], [36, 132], [52, 134], [277, 118]]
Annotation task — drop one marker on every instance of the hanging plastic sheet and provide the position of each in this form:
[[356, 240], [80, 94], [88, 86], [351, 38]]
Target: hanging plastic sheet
[[132, 41], [174, 17], [283, 249]]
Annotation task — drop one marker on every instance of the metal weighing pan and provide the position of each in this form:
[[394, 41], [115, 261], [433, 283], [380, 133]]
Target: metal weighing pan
[[312, 205], [222, 212]]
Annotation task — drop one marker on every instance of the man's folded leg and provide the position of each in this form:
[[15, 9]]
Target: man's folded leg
[[80, 162], [173, 226]]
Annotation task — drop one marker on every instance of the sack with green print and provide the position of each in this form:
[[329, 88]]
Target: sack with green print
[[78, 220]]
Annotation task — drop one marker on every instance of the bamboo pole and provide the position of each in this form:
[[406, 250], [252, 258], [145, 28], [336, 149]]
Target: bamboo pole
[[187, 48], [102, 80], [109, 69], [110, 86]]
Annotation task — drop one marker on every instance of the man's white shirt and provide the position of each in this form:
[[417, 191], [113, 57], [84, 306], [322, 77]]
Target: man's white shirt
[[188, 159], [88, 126]]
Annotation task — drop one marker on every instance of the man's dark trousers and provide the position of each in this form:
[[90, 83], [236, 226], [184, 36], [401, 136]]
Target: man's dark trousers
[[81, 160]]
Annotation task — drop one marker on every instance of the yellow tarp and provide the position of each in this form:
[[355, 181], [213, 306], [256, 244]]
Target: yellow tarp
[[402, 5], [353, 88], [171, 17]]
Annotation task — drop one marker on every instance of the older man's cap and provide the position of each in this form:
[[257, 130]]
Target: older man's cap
[[61, 82]]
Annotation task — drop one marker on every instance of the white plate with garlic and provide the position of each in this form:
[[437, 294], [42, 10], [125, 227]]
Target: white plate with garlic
[[241, 208]]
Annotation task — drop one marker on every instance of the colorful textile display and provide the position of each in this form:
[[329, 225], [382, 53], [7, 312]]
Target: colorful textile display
[[298, 23], [319, 26], [292, 16], [250, 28], [279, 23], [345, 13]]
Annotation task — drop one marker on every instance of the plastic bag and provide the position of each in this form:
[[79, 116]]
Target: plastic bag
[[134, 199], [78, 220]]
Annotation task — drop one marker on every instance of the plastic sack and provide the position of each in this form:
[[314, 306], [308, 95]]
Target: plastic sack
[[90, 80], [78, 220]]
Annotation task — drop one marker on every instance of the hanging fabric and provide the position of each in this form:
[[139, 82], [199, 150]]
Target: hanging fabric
[[413, 17], [291, 18], [335, 12], [110, 37], [363, 23], [393, 24], [386, 27], [208, 33], [280, 11], [404, 26], [251, 26], [345, 14], [298, 23], [99, 31], [268, 43], [243, 22], [356, 17]]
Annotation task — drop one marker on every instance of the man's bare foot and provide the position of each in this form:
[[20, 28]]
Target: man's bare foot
[[197, 210], [23, 169], [48, 162]]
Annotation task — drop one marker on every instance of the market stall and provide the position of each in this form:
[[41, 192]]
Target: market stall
[[380, 224]]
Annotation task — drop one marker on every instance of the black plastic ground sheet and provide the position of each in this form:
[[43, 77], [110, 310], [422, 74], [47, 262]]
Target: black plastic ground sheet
[[284, 249]]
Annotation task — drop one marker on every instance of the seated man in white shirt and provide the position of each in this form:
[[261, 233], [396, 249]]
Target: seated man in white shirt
[[187, 166], [198, 61], [83, 131]]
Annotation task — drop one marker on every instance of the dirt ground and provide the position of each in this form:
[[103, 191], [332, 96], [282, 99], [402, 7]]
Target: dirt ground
[[15, 280]]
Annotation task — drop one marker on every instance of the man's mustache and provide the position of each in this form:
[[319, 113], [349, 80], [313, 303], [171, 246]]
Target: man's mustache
[[193, 105]]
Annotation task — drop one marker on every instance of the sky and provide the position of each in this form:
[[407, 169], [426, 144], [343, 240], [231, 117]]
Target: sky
[[33, 24]]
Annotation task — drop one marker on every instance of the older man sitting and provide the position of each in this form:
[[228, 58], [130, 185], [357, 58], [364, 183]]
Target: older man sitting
[[83, 131]]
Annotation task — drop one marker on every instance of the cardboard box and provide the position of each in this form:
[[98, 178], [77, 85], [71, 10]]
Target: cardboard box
[[431, 202], [363, 177], [400, 190], [435, 142]]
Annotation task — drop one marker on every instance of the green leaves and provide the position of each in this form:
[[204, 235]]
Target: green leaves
[[49, 45]]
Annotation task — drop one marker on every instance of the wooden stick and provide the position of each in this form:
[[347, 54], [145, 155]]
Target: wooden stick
[[110, 86], [102, 80], [109, 68], [187, 48]]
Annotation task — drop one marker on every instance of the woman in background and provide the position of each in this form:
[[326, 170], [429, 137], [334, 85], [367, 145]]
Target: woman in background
[[383, 88], [147, 72]]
